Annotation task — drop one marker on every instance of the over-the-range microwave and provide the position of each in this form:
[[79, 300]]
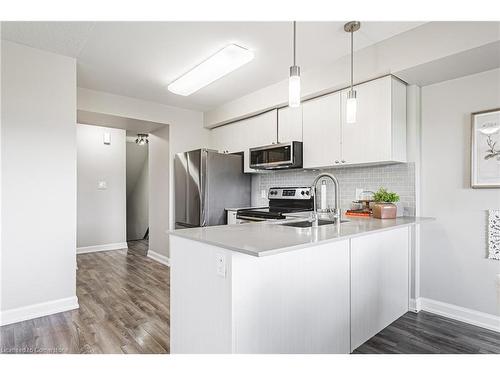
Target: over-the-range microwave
[[277, 156]]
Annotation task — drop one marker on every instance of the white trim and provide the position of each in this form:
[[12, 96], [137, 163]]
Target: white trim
[[159, 257], [37, 310], [415, 305], [106, 247], [477, 318]]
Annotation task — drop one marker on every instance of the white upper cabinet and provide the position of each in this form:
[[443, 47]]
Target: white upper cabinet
[[240, 136], [377, 137], [379, 133], [225, 138], [322, 131], [258, 131], [289, 124]]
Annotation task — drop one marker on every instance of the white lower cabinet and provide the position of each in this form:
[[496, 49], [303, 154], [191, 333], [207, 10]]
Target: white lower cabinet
[[327, 298], [296, 302], [379, 282], [231, 217]]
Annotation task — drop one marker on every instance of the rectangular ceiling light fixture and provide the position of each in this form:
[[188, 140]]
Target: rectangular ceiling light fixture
[[216, 66]]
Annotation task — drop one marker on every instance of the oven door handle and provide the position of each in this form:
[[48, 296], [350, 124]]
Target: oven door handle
[[250, 218]]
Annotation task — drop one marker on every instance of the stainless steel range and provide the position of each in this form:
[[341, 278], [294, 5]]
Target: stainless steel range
[[282, 201]]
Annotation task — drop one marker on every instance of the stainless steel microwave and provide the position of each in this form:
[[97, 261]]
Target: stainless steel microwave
[[277, 156]]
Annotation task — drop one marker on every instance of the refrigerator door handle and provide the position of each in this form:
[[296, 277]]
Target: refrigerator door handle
[[203, 189]]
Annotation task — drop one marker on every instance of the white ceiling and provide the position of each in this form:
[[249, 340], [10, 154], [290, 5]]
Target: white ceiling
[[139, 59]]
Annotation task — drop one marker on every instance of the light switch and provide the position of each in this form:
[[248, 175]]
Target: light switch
[[221, 265], [102, 185], [107, 138]]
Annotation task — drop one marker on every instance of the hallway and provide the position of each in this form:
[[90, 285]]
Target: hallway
[[124, 308]]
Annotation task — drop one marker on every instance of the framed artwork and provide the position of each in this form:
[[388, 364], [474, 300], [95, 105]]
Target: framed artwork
[[485, 161], [494, 234]]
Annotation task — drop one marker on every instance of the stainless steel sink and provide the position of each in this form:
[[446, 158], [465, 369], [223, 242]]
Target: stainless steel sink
[[308, 224]]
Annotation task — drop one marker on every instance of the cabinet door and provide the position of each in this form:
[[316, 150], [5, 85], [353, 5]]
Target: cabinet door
[[231, 217], [289, 124], [295, 303], [369, 139], [322, 131], [223, 138], [257, 131], [240, 136], [379, 282]]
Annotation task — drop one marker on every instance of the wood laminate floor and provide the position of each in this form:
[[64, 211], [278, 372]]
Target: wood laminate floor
[[124, 308], [426, 333]]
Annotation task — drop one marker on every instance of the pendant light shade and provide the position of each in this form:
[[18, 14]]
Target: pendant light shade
[[294, 87], [351, 105], [294, 80]]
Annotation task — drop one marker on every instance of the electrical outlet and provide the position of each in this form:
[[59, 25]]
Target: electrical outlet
[[220, 259], [358, 193], [102, 185], [263, 194]]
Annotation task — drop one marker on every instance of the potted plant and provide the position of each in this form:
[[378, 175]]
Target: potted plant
[[384, 207]]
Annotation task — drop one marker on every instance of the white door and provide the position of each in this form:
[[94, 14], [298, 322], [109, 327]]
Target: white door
[[369, 139], [322, 131], [289, 124], [379, 282]]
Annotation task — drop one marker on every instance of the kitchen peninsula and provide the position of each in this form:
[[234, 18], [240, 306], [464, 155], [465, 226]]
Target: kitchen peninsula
[[273, 288]]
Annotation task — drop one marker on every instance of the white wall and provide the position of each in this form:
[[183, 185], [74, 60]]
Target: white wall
[[186, 131], [38, 182], [159, 182], [395, 55], [454, 268], [101, 214], [137, 190]]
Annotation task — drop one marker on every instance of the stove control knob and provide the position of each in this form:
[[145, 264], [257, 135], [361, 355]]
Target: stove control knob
[[307, 192], [302, 192]]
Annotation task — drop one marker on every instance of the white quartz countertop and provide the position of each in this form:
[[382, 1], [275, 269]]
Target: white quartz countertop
[[268, 238]]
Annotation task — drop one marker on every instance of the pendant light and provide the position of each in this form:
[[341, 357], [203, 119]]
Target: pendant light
[[351, 104], [294, 81]]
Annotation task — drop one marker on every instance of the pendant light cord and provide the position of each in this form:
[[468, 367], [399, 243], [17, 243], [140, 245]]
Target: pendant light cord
[[294, 41], [352, 58]]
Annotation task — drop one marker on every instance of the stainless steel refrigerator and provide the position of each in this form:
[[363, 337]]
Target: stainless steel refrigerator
[[206, 182]]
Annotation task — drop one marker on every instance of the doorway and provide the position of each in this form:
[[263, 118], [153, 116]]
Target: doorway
[[137, 165]]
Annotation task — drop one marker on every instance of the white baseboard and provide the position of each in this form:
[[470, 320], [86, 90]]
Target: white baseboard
[[158, 257], [40, 309], [477, 318], [106, 247]]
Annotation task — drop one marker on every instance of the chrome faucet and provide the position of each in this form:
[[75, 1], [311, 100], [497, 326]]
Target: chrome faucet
[[336, 210]]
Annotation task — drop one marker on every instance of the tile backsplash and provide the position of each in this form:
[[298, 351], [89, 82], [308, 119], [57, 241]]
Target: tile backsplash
[[399, 178]]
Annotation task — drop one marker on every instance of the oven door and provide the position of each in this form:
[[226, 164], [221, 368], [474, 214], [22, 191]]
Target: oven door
[[278, 156], [248, 219]]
